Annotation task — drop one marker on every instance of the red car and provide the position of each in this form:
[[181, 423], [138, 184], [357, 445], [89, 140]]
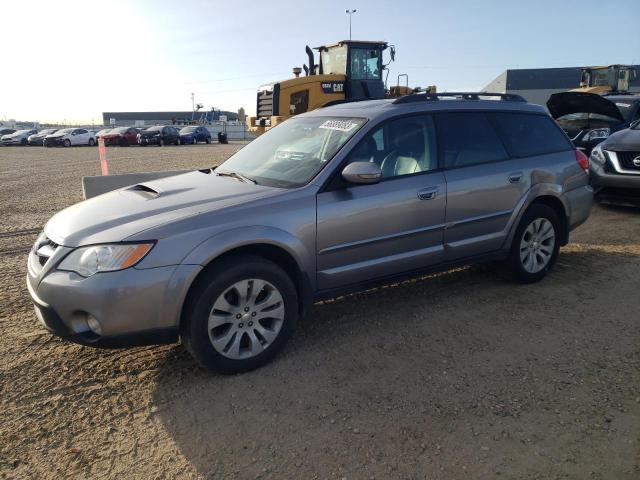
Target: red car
[[123, 136]]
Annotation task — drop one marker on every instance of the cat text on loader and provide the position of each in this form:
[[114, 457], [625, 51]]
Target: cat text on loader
[[610, 79], [348, 70]]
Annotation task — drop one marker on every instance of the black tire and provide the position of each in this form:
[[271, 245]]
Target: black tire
[[161, 142], [534, 212], [219, 277], [67, 143], [23, 142], [207, 140], [92, 142]]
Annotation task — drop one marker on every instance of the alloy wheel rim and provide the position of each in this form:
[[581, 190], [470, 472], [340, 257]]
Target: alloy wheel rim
[[246, 318], [536, 245]]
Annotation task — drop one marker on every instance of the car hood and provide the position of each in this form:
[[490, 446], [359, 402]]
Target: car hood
[[624, 140], [116, 215], [565, 103], [57, 135]]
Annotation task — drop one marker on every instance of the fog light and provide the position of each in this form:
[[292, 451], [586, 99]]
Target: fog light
[[94, 324]]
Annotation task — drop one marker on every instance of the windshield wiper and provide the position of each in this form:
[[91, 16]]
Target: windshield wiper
[[237, 175]]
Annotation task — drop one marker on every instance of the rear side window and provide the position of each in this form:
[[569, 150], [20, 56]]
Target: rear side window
[[526, 135], [467, 139]]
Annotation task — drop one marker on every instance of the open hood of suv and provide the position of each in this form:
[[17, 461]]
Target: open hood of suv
[[565, 103]]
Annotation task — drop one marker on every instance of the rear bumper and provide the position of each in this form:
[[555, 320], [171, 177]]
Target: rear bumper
[[580, 201]]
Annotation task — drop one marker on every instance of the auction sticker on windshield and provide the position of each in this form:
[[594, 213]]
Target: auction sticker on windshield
[[342, 125]]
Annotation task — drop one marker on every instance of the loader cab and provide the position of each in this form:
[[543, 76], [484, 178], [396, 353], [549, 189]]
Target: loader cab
[[612, 78], [362, 64]]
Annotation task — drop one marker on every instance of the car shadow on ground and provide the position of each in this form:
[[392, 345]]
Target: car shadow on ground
[[376, 384]]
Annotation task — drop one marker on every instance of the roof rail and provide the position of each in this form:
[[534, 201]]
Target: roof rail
[[421, 97]]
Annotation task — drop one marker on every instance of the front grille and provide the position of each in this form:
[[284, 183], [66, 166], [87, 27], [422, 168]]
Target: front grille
[[265, 104], [626, 160], [42, 251]]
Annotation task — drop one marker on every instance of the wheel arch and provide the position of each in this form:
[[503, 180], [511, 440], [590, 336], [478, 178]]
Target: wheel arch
[[557, 206], [545, 194], [274, 252]]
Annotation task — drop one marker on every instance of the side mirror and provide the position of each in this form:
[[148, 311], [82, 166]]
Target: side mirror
[[362, 173]]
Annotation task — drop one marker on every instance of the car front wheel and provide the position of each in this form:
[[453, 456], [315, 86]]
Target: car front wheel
[[67, 143], [240, 314], [536, 244]]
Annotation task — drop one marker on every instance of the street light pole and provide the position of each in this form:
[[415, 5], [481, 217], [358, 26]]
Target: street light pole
[[350, 13]]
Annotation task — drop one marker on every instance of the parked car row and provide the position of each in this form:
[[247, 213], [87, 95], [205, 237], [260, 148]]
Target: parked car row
[[606, 127], [121, 136]]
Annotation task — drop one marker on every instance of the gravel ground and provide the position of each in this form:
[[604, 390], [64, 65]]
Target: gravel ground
[[457, 375]]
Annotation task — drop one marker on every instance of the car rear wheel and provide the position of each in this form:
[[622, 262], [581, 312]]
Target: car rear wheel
[[67, 143], [240, 314], [536, 244]]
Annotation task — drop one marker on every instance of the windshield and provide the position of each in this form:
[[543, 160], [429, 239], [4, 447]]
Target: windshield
[[48, 131], [293, 153], [22, 132], [64, 131], [120, 130], [334, 60], [154, 129], [188, 130]]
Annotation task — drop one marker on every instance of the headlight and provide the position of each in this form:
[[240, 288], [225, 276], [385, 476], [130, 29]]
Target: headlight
[[598, 155], [87, 261], [596, 134]]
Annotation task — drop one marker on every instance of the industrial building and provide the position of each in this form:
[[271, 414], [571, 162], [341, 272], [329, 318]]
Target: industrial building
[[537, 84], [145, 119]]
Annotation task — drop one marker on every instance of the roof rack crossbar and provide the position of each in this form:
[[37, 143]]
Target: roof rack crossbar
[[421, 97]]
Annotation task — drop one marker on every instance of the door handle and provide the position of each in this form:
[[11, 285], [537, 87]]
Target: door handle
[[515, 177], [428, 193]]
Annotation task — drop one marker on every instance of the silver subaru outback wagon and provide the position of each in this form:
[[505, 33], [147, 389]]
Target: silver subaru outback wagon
[[328, 202]]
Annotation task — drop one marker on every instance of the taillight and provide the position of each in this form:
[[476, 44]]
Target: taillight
[[582, 160]]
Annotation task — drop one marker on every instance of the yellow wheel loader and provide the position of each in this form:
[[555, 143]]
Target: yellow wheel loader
[[349, 70], [606, 79]]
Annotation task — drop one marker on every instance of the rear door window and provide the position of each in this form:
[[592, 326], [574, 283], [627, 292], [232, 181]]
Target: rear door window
[[468, 138], [526, 135]]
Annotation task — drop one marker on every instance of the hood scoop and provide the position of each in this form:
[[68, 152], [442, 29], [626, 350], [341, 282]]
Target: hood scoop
[[145, 191]]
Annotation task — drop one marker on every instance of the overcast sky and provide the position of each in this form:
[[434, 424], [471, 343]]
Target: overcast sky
[[73, 60]]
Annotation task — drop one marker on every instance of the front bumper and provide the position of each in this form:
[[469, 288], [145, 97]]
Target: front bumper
[[54, 142], [149, 140], [12, 142], [36, 141], [601, 178], [133, 306]]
